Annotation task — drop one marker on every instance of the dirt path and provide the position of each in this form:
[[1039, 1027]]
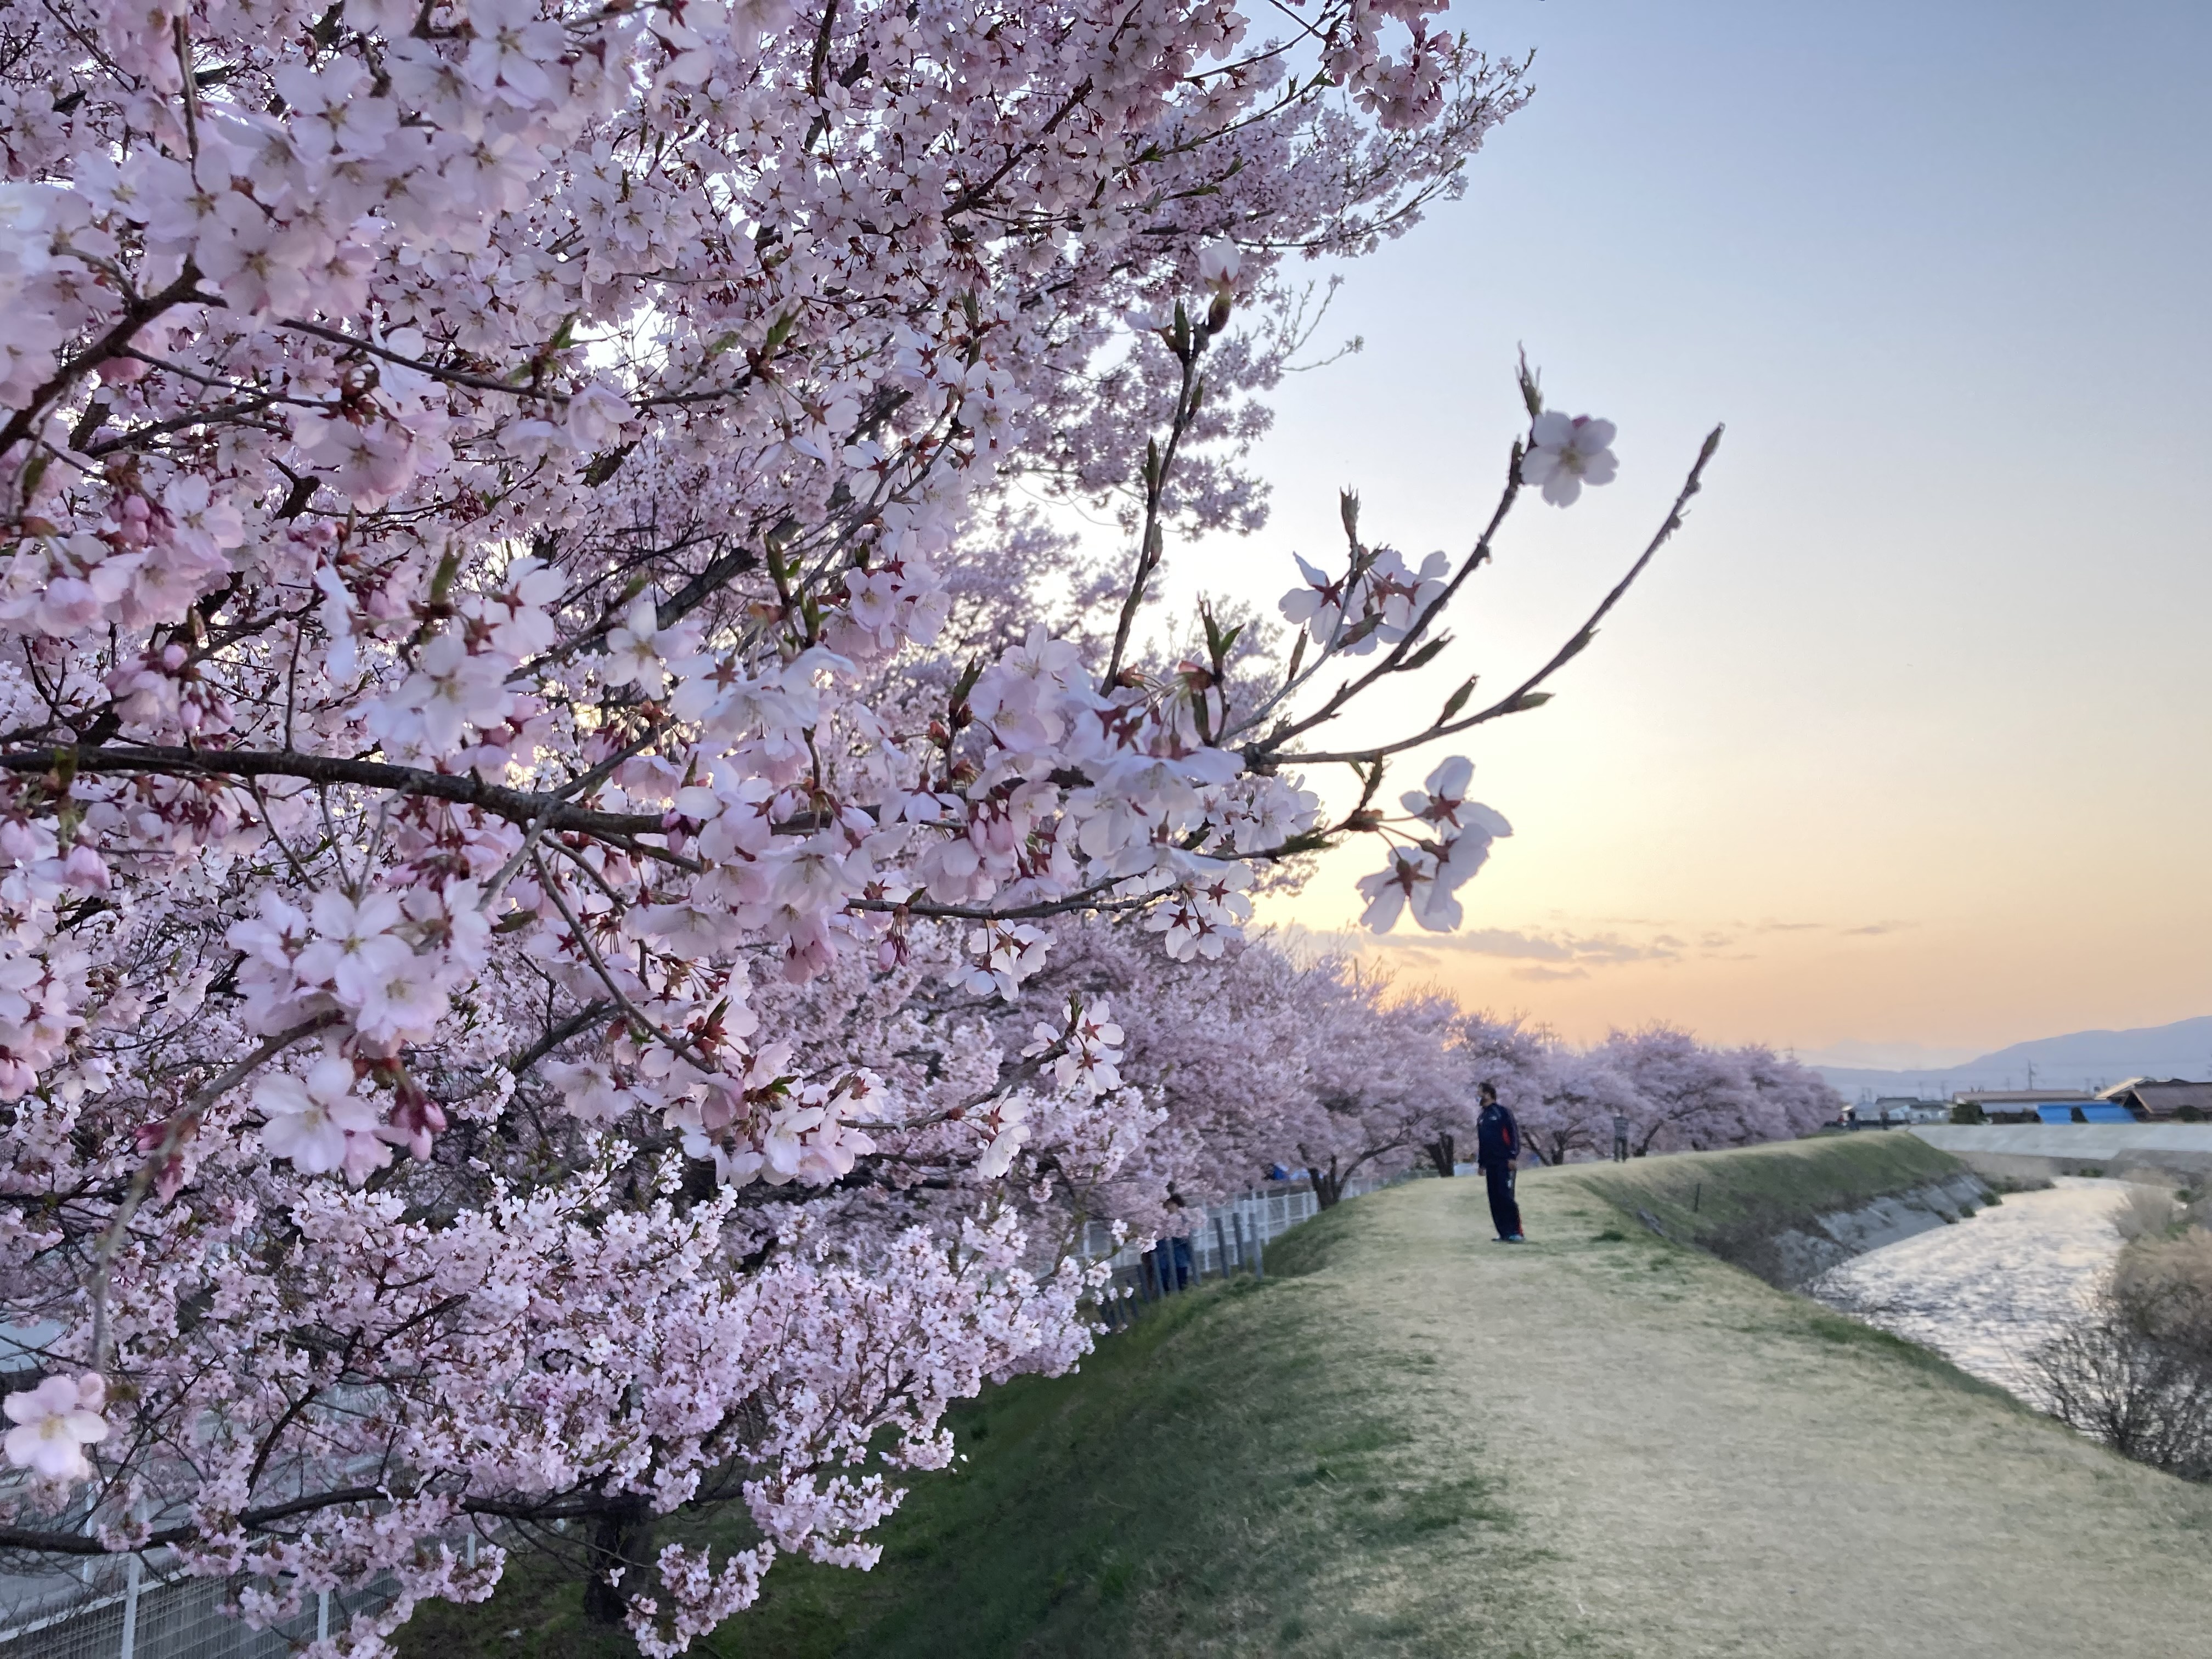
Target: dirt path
[[1708, 1467]]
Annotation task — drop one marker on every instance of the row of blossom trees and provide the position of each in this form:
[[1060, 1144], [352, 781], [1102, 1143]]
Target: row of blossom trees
[[1323, 1068], [1657, 1086], [1260, 1062], [543, 755]]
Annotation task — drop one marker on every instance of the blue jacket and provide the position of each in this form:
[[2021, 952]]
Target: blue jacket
[[1497, 1138]]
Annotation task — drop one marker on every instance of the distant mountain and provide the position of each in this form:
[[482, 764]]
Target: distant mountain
[[2081, 1060]]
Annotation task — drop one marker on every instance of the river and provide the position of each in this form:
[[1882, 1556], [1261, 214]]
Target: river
[[1985, 1292]]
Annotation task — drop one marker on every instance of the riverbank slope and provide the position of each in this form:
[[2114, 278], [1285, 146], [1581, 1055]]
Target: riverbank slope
[[1411, 1441], [1791, 1210]]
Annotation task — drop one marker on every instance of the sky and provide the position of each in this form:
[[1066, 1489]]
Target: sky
[[1901, 752]]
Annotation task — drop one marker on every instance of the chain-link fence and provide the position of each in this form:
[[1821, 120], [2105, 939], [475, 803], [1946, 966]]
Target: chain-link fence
[[127, 1610]]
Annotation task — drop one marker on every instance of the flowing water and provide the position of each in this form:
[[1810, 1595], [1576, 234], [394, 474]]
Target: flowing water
[[1985, 1292]]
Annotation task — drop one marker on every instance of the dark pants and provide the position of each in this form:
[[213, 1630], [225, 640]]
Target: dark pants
[[1505, 1213]]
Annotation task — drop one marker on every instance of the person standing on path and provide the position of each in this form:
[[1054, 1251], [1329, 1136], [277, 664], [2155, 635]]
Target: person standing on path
[[1496, 1151], [1621, 1137]]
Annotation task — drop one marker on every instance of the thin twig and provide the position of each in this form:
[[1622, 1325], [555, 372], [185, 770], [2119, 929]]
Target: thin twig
[[1159, 462], [173, 1133], [1515, 701], [1398, 654]]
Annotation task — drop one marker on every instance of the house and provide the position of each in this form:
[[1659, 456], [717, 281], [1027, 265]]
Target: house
[[2038, 1106], [1900, 1109], [2147, 1100]]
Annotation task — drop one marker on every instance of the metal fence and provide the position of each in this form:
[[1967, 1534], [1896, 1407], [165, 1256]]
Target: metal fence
[[1230, 1237], [129, 1611]]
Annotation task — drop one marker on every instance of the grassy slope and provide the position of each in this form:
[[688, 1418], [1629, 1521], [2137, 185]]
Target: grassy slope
[[1720, 1201], [1195, 1491], [1412, 1442], [1197, 1488]]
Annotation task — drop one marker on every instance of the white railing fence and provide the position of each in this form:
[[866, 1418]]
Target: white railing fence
[[127, 1610], [1231, 1238]]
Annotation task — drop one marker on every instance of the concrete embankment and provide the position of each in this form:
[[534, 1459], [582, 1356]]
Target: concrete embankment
[[2041, 1151], [1790, 1211]]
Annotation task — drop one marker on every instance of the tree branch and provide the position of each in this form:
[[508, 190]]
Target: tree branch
[[462, 789], [1519, 698], [140, 312]]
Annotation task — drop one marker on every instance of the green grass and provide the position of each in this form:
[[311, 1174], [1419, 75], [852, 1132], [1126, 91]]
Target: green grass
[[1219, 1481]]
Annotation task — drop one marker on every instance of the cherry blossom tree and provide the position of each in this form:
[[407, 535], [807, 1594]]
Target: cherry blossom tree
[[1676, 1093], [1220, 1049], [538, 738], [1797, 1099], [1382, 1076], [1585, 1096], [1685, 1095], [1689, 1097], [1435, 1100], [1256, 1059]]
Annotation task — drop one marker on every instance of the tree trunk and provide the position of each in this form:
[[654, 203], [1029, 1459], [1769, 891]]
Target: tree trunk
[[1328, 1188], [621, 1540], [1443, 1153]]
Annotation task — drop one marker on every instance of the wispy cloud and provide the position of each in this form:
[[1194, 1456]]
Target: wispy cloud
[[1576, 948], [1570, 955], [1837, 928], [1565, 952]]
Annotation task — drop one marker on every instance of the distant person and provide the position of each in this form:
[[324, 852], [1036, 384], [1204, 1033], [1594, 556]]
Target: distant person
[[1185, 1263], [1496, 1151], [1621, 1137]]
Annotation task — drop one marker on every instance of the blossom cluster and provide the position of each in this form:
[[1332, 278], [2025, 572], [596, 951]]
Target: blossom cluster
[[1425, 874]]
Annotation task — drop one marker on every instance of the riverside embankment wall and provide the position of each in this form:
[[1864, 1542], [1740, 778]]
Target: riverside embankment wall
[[1791, 1211], [2038, 1151]]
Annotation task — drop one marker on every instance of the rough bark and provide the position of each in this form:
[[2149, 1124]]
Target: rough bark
[[622, 1542], [1328, 1184]]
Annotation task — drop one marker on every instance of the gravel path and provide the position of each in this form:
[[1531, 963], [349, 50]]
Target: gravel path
[[1706, 1466]]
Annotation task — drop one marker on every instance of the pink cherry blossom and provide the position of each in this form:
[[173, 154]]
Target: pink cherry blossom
[[1389, 890], [54, 1423], [311, 1121], [1565, 455]]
